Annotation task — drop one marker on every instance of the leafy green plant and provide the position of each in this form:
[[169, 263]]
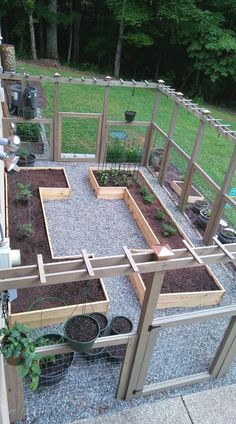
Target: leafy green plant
[[138, 183], [104, 178], [148, 198], [124, 151], [144, 191], [159, 214], [28, 132], [24, 153], [17, 344], [206, 212], [168, 229], [24, 193], [25, 230]]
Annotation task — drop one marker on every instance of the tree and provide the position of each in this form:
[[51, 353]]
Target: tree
[[52, 45], [29, 6]]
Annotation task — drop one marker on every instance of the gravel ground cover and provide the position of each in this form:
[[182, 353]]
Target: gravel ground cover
[[103, 227]]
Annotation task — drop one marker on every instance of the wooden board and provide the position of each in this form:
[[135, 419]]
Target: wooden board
[[166, 300], [45, 317], [191, 199]]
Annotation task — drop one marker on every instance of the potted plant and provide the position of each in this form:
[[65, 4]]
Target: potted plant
[[53, 368], [198, 205], [19, 350], [26, 158], [81, 331], [203, 217], [25, 231], [28, 112], [23, 194], [120, 325], [129, 115], [227, 235]]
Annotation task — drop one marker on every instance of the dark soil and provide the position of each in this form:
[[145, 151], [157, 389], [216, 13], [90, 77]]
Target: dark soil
[[181, 280], [101, 319], [121, 325], [81, 328], [69, 293]]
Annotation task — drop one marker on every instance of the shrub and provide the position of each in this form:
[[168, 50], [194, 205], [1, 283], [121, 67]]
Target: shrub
[[24, 193], [25, 230], [168, 230]]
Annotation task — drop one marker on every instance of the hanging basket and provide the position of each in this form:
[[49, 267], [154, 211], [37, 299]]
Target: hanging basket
[[129, 115], [81, 331]]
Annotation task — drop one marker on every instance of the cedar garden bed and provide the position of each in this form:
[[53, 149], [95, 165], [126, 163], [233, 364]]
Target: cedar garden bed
[[194, 193], [183, 287], [41, 306]]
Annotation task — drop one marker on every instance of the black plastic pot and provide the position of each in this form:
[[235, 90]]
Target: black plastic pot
[[94, 354], [116, 353], [129, 115], [102, 321], [202, 219], [52, 372], [120, 325], [28, 161], [81, 321], [198, 205], [28, 112], [227, 235]]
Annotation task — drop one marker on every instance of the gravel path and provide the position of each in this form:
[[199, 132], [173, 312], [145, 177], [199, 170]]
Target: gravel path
[[103, 227]]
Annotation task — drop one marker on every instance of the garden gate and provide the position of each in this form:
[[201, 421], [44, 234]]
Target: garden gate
[[140, 344]]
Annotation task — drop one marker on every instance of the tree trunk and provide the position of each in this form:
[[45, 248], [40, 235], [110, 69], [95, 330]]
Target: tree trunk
[[32, 37], [70, 37], [76, 50], [119, 44], [41, 40], [158, 66], [52, 48]]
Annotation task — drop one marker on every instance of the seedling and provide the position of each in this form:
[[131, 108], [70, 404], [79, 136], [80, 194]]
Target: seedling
[[25, 231], [24, 193], [149, 198], [167, 229], [159, 214], [144, 191], [104, 178]]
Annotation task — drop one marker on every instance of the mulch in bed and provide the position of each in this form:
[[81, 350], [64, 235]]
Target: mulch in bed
[[175, 281], [70, 293]]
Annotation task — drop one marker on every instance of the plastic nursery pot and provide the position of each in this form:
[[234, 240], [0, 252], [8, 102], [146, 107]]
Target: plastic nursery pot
[[129, 115], [203, 218], [227, 235], [120, 325], [28, 112], [198, 205], [94, 354], [102, 321], [81, 331], [19, 360], [28, 161], [116, 353]]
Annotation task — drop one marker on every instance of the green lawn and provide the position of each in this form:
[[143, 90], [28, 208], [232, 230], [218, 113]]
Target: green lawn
[[79, 136]]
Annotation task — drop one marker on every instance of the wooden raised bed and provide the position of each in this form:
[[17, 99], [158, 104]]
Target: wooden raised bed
[[52, 315], [166, 300], [194, 193]]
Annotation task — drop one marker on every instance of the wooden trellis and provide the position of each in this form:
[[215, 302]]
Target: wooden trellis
[[140, 344]]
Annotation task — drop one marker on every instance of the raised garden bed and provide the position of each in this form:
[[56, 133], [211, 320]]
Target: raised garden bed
[[61, 301], [194, 193], [184, 287]]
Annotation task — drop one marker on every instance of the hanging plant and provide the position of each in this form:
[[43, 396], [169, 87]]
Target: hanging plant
[[130, 114]]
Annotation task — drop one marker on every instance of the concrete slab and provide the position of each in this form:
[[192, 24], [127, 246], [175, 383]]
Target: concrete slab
[[171, 411], [214, 406]]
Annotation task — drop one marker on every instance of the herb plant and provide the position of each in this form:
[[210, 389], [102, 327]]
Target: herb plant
[[148, 199], [24, 193], [25, 231], [159, 214], [168, 229]]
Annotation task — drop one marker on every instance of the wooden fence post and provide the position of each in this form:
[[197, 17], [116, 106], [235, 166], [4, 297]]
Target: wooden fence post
[[219, 203], [104, 129], [57, 136], [147, 313], [15, 394], [148, 137], [166, 154], [190, 171]]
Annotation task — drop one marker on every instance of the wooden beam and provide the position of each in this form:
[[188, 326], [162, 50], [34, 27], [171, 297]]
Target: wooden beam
[[41, 269], [87, 262], [188, 179], [57, 128], [167, 149], [193, 253], [222, 247], [219, 203], [104, 133], [130, 259], [148, 139]]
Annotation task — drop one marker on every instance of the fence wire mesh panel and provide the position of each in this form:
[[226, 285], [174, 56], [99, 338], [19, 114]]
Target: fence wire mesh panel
[[35, 139], [79, 136], [156, 152], [133, 99], [125, 144], [185, 350], [85, 389]]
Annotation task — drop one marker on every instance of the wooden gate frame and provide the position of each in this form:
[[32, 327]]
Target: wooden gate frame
[[140, 344]]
